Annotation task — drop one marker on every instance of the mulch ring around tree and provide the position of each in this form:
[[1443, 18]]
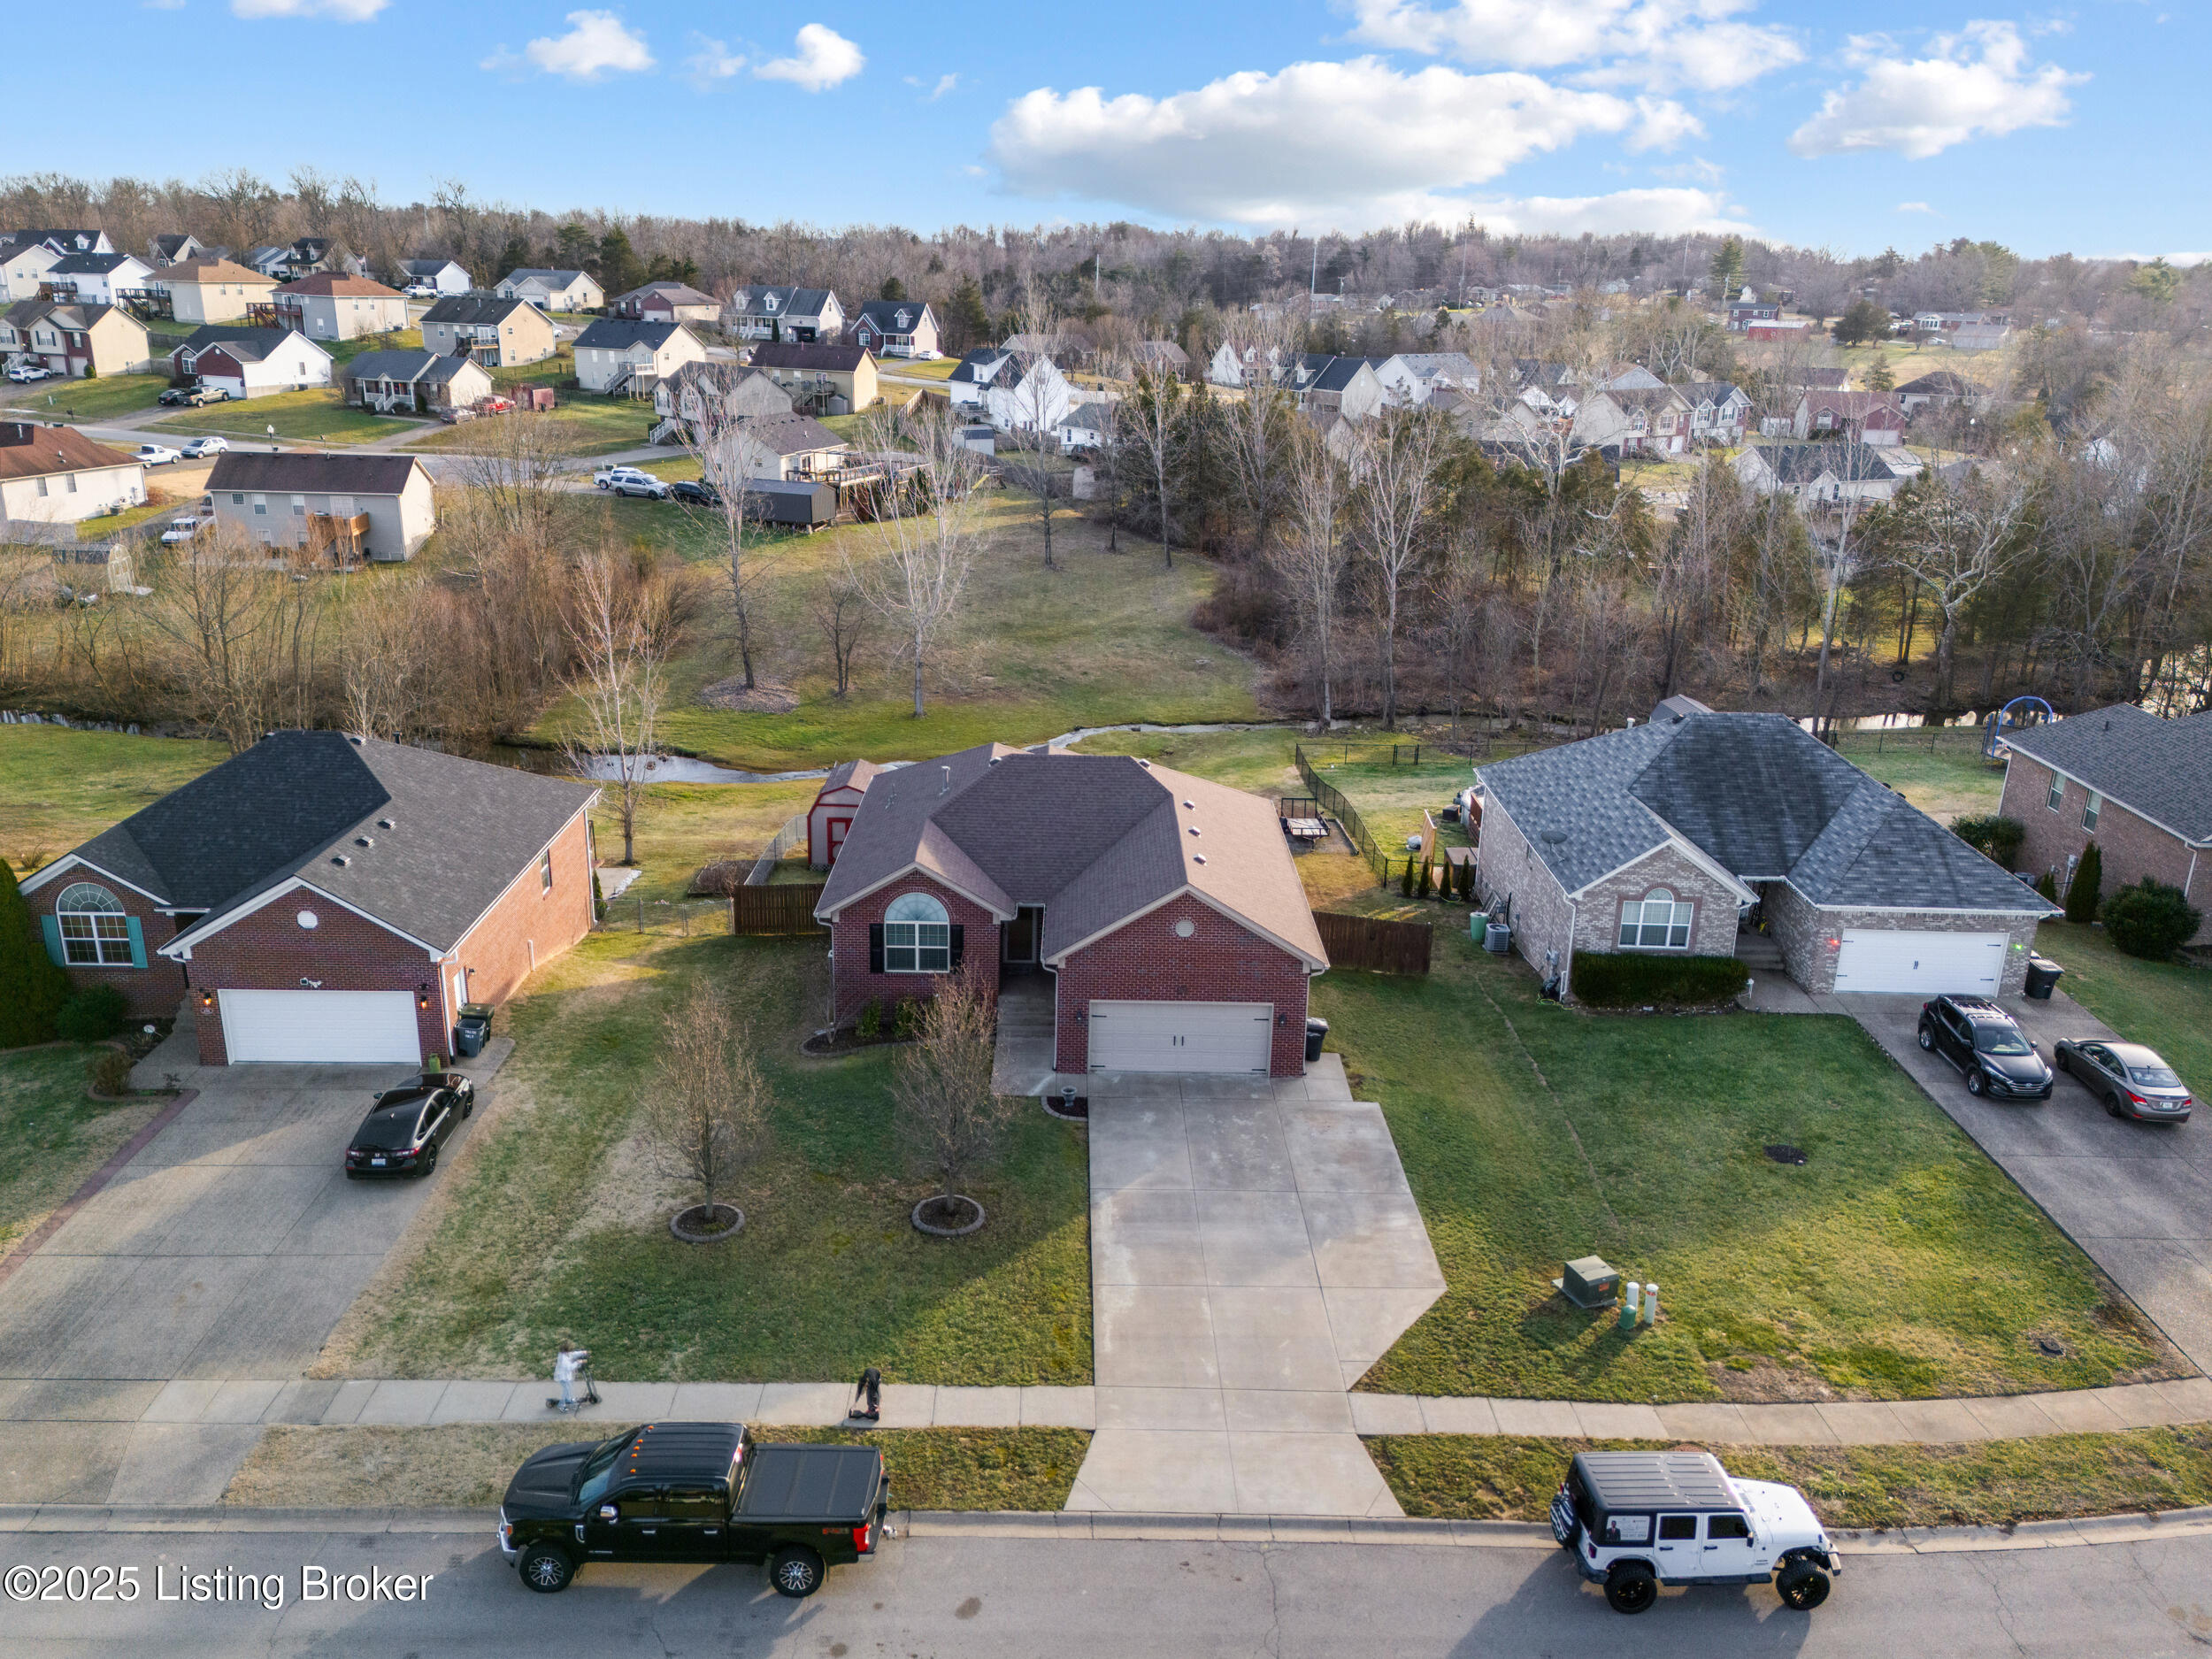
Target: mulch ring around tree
[[697, 1226], [732, 695], [948, 1216], [824, 1045]]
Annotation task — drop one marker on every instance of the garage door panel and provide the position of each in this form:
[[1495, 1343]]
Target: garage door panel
[[319, 1027], [1217, 1036], [1875, 959]]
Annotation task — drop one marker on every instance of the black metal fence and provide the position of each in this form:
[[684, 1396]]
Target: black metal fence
[[1336, 806]]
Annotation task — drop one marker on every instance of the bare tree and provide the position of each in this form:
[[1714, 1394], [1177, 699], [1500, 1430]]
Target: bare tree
[[220, 604], [1952, 541], [513, 472], [840, 614], [1034, 400], [948, 1117], [705, 1120], [717, 440], [622, 633], [1395, 466], [928, 511], [381, 655], [1314, 552], [1153, 428], [1114, 370], [1260, 421]]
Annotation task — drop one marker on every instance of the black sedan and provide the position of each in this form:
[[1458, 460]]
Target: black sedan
[[696, 492], [406, 1126], [2130, 1079]]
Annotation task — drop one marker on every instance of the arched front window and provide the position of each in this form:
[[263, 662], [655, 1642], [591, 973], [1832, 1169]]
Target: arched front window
[[916, 936], [1658, 921], [95, 933]]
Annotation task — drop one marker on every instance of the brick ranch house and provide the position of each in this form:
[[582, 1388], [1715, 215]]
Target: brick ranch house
[[1165, 909], [326, 898], [2137, 785], [1659, 837]]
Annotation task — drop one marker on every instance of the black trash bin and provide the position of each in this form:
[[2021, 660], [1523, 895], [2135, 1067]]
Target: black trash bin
[[2042, 977], [1316, 1029], [475, 1029]]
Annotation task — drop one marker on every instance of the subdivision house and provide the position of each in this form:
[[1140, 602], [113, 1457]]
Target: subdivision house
[[705, 397], [1638, 420], [174, 248], [1872, 417], [498, 332], [1014, 392], [1161, 358], [1719, 412], [789, 445], [768, 311], [448, 276], [95, 278], [666, 302], [57, 475], [346, 504], [74, 340], [1658, 838], [250, 362], [413, 380], [1347, 385], [330, 306], [1165, 908], [212, 290], [24, 262], [615, 354], [325, 898], [1411, 377], [823, 379], [895, 328], [2137, 785], [1821, 474], [552, 290], [1938, 390]]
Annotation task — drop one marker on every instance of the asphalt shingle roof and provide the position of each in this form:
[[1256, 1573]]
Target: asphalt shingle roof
[[312, 471], [2161, 770], [619, 334], [469, 309]]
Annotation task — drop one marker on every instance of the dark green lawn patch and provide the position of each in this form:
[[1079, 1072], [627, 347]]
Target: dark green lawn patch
[[1992, 1483], [51, 1136], [1621, 979], [1897, 1262], [2167, 1005]]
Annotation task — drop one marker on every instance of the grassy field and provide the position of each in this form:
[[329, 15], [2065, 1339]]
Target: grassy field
[[2168, 1005], [51, 1137], [1391, 796], [59, 786], [1994, 1483], [1898, 1262], [467, 1466], [85, 401], [315, 416], [1942, 772], [598, 427], [554, 1220]]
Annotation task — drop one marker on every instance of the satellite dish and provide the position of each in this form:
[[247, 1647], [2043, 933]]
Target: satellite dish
[[1552, 837]]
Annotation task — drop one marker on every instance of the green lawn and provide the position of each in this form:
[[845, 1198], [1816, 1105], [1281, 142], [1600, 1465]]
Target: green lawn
[[51, 1136], [1942, 772], [1258, 761], [1390, 796], [2168, 1005], [552, 1225], [91, 401], [315, 416], [344, 351], [545, 372], [598, 426], [59, 786], [1897, 1262], [1993, 1483]]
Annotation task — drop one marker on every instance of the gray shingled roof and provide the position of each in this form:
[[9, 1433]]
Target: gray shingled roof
[[243, 341], [408, 364], [1760, 797], [461, 831], [2161, 770], [619, 334], [1793, 463], [470, 310], [312, 471]]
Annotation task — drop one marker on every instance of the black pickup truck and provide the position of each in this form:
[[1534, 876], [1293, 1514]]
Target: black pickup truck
[[695, 1492]]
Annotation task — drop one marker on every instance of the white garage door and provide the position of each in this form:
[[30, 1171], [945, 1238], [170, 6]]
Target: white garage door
[[1181, 1036], [331, 1027], [1874, 959]]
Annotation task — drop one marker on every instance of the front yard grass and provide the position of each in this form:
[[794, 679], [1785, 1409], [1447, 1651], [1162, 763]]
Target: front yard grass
[[59, 786], [596, 426], [555, 1222], [315, 416], [51, 1136], [1896, 1263], [88, 401], [467, 1466], [2167, 1005], [1989, 1483]]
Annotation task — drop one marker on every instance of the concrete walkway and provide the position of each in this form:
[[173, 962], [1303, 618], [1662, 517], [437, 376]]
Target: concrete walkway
[[1023, 1061]]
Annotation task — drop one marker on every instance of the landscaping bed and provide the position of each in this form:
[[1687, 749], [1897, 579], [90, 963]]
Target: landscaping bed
[[1986, 1483]]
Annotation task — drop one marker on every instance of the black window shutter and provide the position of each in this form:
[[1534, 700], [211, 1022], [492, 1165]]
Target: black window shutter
[[959, 942], [875, 946]]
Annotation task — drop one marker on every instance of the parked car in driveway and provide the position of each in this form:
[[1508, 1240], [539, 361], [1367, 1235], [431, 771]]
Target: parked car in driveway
[[197, 448], [22, 373], [406, 1126], [190, 396], [2130, 1079], [1988, 1045], [421, 291], [155, 455], [644, 484], [696, 492], [180, 531], [607, 477]]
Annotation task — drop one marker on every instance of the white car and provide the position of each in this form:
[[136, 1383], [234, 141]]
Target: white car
[[420, 291], [180, 530], [155, 455], [1636, 1520], [22, 373], [198, 449], [607, 477]]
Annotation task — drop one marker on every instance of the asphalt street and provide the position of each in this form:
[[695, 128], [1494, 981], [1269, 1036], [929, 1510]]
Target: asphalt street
[[927, 1597]]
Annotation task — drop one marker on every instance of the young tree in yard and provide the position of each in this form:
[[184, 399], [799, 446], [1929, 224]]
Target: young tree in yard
[[917, 584], [949, 1118], [1153, 431], [1313, 552], [840, 614], [1396, 462], [31, 987], [513, 473], [2087, 886], [717, 441], [1953, 541], [1034, 403], [1727, 268], [623, 629], [705, 1118]]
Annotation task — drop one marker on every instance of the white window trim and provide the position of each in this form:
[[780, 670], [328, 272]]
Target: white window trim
[[912, 931], [1681, 915]]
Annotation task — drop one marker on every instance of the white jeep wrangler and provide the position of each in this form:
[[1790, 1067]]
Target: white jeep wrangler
[[1636, 1520]]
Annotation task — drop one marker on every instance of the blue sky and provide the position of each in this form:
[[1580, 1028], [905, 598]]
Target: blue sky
[[2080, 129]]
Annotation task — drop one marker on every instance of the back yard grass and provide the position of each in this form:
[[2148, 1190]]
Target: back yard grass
[[555, 1222], [315, 416], [596, 426], [1940, 771], [51, 1136], [59, 786], [1896, 1263]]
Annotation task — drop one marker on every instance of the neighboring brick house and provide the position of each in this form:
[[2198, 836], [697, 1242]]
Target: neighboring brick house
[[2137, 785], [895, 328], [1637, 420], [326, 898], [666, 302], [1872, 417], [1655, 838], [1166, 908]]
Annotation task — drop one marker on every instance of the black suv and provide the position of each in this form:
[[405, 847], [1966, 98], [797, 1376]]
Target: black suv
[[1983, 1040]]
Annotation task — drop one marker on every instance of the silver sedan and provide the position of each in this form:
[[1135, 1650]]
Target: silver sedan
[[2130, 1079]]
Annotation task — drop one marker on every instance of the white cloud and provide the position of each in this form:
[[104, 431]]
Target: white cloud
[[340, 11], [1663, 212], [826, 57], [1350, 144], [944, 83], [1915, 207], [597, 41], [711, 60], [1975, 84], [1698, 43]]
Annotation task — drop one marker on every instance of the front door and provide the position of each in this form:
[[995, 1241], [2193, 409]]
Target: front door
[[1021, 934]]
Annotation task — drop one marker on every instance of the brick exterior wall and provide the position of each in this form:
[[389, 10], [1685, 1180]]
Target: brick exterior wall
[[1802, 931], [2132, 846], [1221, 962], [153, 991], [857, 986], [1712, 921], [1508, 867], [528, 926]]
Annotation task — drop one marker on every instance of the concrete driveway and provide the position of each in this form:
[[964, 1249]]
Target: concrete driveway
[[2136, 1197], [227, 1248]]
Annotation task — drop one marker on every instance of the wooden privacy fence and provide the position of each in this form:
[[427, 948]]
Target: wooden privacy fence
[[783, 909], [1375, 943]]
